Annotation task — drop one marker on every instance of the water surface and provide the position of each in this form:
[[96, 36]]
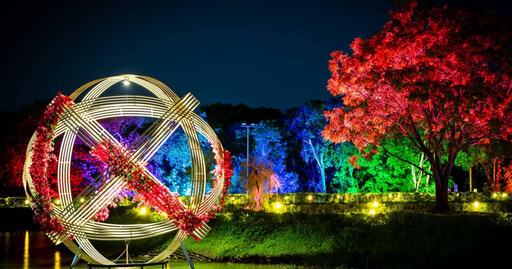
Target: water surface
[[35, 250]]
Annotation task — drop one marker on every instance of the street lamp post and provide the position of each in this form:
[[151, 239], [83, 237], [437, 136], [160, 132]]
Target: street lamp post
[[248, 126]]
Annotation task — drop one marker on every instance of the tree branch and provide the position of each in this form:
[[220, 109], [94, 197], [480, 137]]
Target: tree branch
[[320, 165], [423, 148], [403, 160]]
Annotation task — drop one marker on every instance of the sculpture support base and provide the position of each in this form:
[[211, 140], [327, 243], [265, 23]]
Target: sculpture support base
[[131, 265]]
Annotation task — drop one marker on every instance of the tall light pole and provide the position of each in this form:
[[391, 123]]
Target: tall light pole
[[248, 126]]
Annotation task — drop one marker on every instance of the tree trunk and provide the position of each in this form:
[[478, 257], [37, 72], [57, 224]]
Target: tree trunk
[[441, 197], [322, 173], [441, 175], [320, 161], [470, 181]]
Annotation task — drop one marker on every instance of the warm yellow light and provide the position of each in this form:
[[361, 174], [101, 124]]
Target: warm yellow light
[[390, 195], [398, 195], [504, 195], [375, 204], [278, 205], [232, 198], [26, 201], [57, 201], [338, 196], [143, 211], [494, 195], [475, 204], [57, 260], [372, 212], [26, 253], [82, 200], [310, 197], [286, 197]]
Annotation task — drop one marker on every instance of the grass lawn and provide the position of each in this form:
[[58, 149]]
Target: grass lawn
[[395, 240]]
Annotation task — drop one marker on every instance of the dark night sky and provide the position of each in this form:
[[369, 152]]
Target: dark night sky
[[261, 53]]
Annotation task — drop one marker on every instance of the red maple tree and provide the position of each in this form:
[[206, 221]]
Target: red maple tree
[[13, 145], [439, 76], [18, 127]]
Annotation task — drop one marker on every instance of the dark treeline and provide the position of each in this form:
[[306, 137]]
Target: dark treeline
[[290, 142], [305, 162]]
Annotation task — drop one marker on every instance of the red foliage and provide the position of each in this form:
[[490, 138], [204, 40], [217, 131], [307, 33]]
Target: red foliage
[[18, 128], [41, 158], [154, 194], [507, 184], [440, 76], [223, 168], [12, 167], [499, 175], [121, 163]]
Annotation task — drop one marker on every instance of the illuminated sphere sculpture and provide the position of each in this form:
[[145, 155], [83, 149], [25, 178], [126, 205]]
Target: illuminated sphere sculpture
[[171, 112]]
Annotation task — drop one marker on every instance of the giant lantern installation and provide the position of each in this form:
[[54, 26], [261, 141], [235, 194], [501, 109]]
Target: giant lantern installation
[[74, 220]]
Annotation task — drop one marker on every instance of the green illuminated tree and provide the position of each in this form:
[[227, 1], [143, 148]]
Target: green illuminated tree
[[386, 173]]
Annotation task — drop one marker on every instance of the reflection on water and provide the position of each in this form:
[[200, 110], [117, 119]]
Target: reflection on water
[[7, 239], [57, 260], [25, 251], [202, 265], [35, 250], [31, 250]]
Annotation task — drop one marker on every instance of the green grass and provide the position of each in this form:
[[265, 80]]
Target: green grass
[[396, 240], [130, 215]]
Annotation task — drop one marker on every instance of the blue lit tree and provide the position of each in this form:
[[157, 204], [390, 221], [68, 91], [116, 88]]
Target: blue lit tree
[[306, 123], [237, 184], [269, 145], [172, 163], [322, 161]]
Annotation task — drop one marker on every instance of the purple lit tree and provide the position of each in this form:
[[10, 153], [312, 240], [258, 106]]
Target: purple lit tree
[[171, 163], [124, 129]]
